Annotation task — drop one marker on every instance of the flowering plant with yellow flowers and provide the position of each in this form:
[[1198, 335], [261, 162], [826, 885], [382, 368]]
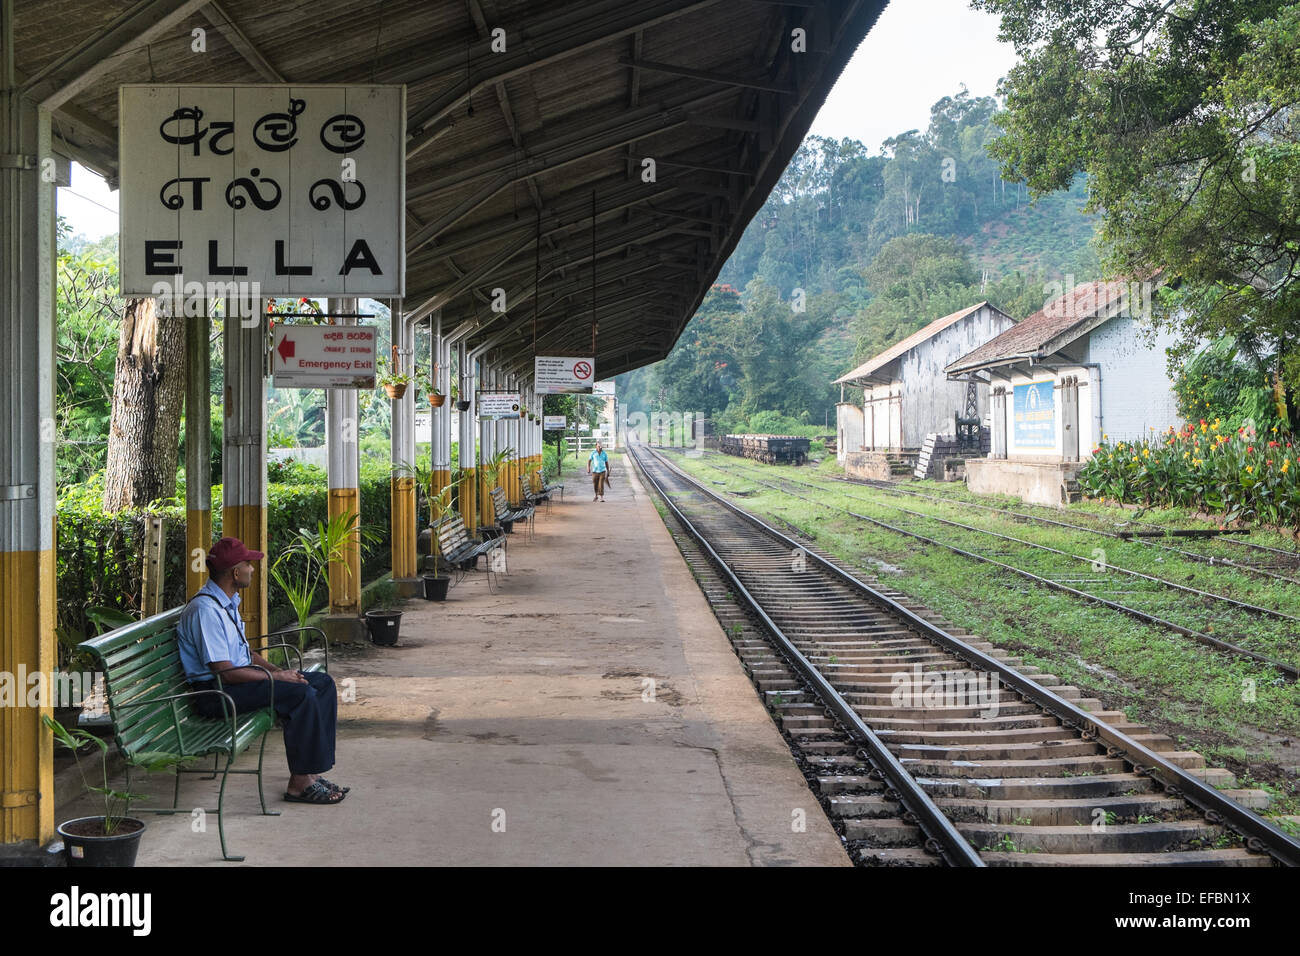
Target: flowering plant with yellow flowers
[[1239, 475]]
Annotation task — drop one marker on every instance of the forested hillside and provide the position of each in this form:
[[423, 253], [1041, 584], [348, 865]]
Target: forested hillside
[[880, 245]]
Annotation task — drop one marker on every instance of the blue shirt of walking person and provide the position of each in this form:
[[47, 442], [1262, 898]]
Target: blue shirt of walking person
[[599, 461]]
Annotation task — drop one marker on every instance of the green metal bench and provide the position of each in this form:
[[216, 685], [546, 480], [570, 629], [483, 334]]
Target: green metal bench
[[152, 709], [504, 512]]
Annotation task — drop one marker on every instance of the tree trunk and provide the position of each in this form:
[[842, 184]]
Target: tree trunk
[[148, 392]]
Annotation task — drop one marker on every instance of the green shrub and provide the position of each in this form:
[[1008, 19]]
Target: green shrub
[[99, 554], [1237, 474]]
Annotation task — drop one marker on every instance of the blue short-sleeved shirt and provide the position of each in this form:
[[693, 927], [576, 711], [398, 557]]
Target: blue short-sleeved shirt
[[211, 630], [599, 461]]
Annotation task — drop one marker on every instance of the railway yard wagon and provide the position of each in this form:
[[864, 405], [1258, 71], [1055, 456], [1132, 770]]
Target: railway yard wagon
[[770, 449]]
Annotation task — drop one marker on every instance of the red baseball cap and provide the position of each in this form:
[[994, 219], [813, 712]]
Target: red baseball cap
[[229, 552]]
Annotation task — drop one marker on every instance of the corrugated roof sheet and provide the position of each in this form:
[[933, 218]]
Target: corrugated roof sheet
[[1056, 320], [583, 92], [912, 341]]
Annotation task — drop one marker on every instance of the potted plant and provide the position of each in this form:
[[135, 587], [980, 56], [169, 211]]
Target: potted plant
[[436, 398], [392, 381], [492, 468], [435, 583], [113, 838], [310, 554]]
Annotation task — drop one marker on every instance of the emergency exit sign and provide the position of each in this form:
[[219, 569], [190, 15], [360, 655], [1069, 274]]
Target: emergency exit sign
[[323, 356]]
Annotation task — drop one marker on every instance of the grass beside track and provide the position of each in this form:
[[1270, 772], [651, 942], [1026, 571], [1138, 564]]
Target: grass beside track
[[1196, 695]]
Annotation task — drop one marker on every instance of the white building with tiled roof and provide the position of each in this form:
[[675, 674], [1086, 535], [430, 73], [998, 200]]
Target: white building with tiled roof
[[905, 394], [1081, 367]]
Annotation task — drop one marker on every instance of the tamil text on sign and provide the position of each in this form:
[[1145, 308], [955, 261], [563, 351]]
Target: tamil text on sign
[[262, 190]]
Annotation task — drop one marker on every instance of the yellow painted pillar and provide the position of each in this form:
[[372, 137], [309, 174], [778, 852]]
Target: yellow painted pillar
[[342, 422], [198, 454], [345, 574], [402, 496], [27, 449], [404, 521], [243, 462]]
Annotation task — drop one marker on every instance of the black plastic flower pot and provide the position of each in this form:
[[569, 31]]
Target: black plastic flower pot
[[463, 405], [383, 627], [435, 589], [84, 842], [508, 527]]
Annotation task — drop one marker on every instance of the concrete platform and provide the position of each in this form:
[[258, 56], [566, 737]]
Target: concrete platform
[[1035, 482], [525, 709]]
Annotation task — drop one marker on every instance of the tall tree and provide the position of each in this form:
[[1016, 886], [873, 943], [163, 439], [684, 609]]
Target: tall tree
[[148, 392], [1183, 114]]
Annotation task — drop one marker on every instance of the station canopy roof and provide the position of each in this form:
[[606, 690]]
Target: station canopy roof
[[712, 90]]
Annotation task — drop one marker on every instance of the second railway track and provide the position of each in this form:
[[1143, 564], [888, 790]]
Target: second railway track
[[920, 736]]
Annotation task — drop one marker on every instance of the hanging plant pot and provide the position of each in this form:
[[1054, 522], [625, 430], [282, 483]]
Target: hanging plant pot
[[437, 400], [463, 405], [395, 392]]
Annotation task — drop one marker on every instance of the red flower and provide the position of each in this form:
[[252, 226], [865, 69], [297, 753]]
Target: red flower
[[1250, 448], [1272, 444]]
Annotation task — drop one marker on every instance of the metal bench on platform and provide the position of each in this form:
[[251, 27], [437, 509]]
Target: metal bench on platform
[[152, 708], [462, 551]]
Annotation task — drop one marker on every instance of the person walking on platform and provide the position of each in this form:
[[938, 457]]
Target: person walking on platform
[[212, 642], [598, 468]]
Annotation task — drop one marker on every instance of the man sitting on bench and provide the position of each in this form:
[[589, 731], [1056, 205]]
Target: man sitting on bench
[[211, 639]]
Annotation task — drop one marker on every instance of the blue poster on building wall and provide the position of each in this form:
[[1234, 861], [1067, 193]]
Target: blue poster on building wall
[[1035, 415]]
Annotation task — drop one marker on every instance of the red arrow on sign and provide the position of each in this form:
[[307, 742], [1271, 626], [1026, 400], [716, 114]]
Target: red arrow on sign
[[285, 349]]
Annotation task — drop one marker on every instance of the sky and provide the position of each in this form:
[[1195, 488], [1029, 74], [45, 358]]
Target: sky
[[918, 52]]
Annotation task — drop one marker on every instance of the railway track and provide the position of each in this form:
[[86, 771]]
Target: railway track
[[1253, 557], [1087, 588], [927, 745]]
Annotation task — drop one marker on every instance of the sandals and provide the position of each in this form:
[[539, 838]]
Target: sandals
[[332, 785], [317, 794]]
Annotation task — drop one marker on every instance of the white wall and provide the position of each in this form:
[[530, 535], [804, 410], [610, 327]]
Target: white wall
[[848, 429], [1137, 393], [1130, 393]]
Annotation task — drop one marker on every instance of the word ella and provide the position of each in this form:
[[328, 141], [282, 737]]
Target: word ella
[[103, 909]]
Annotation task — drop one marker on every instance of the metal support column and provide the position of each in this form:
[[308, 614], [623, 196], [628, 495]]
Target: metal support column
[[198, 451], [441, 430], [342, 422], [243, 456], [402, 482], [27, 447], [468, 496]]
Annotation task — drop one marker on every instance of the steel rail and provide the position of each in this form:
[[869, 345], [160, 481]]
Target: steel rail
[[1244, 605], [1289, 671], [1225, 536], [1260, 835], [943, 836], [1138, 537]]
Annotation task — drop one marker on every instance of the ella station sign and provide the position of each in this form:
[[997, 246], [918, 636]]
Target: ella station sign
[[263, 190]]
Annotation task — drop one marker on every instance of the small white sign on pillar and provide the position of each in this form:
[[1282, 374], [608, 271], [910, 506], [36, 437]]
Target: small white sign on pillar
[[323, 356]]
